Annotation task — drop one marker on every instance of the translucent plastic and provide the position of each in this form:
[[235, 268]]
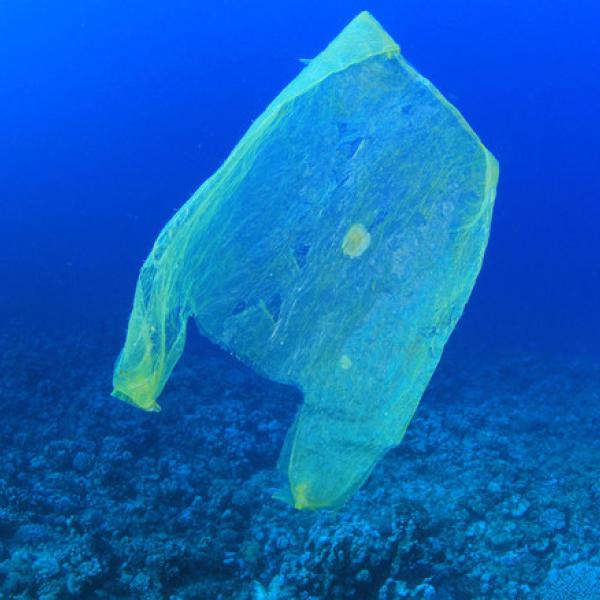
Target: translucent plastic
[[335, 250]]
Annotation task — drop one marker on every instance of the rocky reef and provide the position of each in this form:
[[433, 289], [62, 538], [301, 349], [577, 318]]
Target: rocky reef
[[494, 493]]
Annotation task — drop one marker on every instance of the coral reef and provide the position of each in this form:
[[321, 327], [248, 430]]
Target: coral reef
[[494, 493]]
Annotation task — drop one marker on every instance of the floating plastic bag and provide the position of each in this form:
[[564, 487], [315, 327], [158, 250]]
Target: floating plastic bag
[[334, 250]]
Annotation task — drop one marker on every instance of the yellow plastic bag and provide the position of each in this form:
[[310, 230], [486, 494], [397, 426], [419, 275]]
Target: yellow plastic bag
[[335, 250]]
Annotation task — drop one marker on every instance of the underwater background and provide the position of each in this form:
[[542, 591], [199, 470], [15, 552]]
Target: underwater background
[[111, 115]]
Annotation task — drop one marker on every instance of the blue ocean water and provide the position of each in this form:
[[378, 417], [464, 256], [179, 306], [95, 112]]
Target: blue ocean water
[[111, 115]]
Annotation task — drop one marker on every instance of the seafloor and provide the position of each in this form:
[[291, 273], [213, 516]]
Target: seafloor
[[493, 494]]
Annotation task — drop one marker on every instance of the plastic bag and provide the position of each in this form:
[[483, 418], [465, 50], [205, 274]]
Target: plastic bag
[[335, 250]]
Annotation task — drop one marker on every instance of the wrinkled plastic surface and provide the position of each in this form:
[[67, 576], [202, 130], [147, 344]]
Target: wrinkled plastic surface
[[335, 250]]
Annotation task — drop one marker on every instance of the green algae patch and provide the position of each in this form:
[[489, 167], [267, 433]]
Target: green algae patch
[[335, 250]]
